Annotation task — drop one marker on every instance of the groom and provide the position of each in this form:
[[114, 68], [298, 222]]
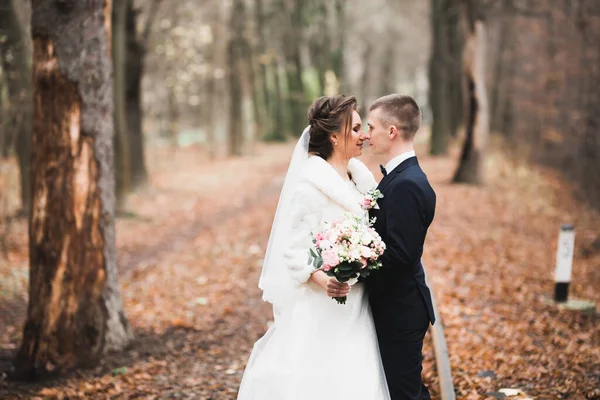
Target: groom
[[400, 299]]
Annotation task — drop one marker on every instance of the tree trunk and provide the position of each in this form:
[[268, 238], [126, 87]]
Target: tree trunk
[[236, 134], [210, 89], [454, 70], [252, 90], [502, 80], [293, 66], [119, 53], [235, 53], [173, 117], [438, 81], [264, 58], [274, 130], [338, 44], [136, 52], [209, 109], [279, 129], [75, 311], [388, 83], [4, 148], [16, 68], [471, 166], [324, 48], [365, 75]]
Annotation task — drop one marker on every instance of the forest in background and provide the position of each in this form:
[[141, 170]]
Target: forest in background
[[185, 70]]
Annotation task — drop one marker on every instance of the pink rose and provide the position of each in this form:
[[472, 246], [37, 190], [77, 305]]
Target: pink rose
[[330, 258], [319, 237]]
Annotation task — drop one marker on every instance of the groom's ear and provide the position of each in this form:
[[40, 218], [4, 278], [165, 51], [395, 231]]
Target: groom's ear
[[393, 132]]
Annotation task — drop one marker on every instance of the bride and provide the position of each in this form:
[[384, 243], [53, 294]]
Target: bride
[[316, 348]]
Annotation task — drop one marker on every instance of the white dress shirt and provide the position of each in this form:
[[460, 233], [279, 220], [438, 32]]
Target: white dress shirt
[[399, 159]]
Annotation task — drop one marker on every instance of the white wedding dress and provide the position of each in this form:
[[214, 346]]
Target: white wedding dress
[[316, 348]]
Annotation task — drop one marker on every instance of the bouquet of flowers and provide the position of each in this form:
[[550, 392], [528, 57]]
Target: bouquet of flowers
[[347, 249], [370, 200]]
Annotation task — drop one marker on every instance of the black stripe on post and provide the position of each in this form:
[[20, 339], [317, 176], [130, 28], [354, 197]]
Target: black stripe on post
[[564, 263], [561, 292]]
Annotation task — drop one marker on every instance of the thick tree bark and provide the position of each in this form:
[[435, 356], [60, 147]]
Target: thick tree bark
[[471, 166], [75, 311], [16, 68]]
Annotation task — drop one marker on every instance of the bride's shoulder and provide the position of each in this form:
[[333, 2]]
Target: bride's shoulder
[[311, 179], [314, 163], [361, 175], [314, 171]]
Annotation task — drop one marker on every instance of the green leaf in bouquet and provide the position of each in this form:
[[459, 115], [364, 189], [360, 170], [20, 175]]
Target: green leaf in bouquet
[[345, 266], [345, 275]]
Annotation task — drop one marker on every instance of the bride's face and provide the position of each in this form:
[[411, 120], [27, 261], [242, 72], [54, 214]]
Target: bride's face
[[351, 144]]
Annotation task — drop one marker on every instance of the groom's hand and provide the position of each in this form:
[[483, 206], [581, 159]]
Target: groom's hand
[[337, 289]]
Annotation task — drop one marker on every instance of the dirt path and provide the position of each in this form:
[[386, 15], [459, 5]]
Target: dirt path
[[192, 256]]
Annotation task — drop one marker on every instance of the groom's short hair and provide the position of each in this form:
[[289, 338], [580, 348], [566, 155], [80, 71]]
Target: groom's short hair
[[399, 110]]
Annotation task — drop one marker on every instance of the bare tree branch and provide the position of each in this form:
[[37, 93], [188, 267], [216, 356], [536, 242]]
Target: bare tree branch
[[149, 21]]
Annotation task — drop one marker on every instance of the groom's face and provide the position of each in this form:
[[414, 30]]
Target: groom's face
[[378, 134]]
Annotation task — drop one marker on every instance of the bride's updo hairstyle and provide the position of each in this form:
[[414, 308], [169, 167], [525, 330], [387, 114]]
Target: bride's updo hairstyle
[[328, 115]]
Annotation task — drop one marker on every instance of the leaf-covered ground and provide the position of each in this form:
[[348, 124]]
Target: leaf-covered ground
[[190, 254]]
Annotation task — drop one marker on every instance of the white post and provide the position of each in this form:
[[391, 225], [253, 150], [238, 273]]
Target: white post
[[564, 263]]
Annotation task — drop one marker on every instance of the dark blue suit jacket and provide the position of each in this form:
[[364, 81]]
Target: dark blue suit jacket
[[398, 294]]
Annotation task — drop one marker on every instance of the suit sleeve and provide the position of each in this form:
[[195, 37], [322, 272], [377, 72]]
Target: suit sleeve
[[405, 225], [303, 222]]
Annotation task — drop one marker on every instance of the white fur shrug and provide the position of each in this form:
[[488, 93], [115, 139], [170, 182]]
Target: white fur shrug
[[321, 195]]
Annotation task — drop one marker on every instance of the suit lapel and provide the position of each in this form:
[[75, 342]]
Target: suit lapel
[[396, 171]]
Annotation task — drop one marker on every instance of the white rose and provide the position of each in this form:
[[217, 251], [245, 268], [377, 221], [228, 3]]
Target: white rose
[[366, 252], [367, 238]]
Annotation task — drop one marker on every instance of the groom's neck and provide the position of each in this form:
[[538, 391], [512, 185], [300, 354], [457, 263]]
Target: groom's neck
[[402, 147]]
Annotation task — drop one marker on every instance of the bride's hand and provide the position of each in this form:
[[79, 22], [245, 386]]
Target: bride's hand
[[332, 287]]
